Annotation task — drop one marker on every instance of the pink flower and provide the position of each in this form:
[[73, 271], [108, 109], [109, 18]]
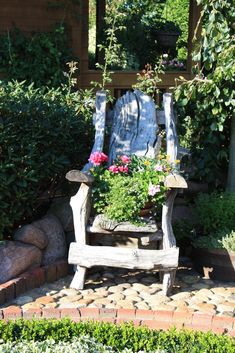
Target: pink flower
[[153, 189], [125, 159], [126, 169], [97, 158], [114, 169], [123, 169], [158, 168]]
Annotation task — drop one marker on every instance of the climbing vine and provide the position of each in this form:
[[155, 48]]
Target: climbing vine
[[206, 103]]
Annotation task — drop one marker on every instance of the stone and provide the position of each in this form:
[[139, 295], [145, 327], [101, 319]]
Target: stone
[[220, 290], [84, 302], [226, 306], [73, 305], [200, 285], [69, 291], [142, 305], [181, 295], [32, 305], [63, 211], [129, 291], [205, 307], [31, 235], [191, 279], [125, 304], [56, 248], [16, 258], [45, 300], [116, 296], [139, 287], [116, 289], [23, 300], [70, 299]]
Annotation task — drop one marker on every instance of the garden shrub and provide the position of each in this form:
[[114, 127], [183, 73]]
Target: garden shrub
[[39, 57], [43, 133], [117, 337]]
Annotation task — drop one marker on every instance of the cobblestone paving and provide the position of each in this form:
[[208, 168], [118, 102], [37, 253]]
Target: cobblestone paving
[[119, 288]]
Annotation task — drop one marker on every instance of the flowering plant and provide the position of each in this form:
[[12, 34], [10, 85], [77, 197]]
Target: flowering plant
[[122, 189]]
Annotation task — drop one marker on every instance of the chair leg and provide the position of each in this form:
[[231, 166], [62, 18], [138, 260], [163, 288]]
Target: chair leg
[[168, 281], [79, 278]]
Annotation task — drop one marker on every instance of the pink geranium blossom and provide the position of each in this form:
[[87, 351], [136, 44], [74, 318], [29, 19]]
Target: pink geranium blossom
[[123, 169], [97, 158], [153, 189], [114, 169], [125, 159], [158, 168]]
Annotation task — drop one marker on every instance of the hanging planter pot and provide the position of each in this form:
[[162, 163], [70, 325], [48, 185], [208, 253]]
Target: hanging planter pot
[[167, 40]]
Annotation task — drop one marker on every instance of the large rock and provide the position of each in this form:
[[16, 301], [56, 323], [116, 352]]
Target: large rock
[[31, 235], [56, 248], [63, 211], [16, 258]]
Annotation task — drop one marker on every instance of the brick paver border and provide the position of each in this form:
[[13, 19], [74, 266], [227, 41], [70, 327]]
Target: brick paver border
[[154, 319], [32, 279]]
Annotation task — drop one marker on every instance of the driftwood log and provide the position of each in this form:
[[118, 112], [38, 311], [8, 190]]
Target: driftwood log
[[134, 131]]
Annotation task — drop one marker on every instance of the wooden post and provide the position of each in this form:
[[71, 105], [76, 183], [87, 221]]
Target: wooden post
[[80, 204], [172, 147]]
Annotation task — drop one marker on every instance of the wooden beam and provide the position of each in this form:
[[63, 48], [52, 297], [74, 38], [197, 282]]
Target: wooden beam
[[88, 256]]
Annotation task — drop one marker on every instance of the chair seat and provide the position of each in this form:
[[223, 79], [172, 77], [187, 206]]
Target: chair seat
[[101, 224]]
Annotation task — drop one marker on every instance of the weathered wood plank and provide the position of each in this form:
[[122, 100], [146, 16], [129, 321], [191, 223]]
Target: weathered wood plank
[[167, 208], [134, 126], [99, 123], [81, 204], [175, 181], [88, 256], [100, 221], [79, 177]]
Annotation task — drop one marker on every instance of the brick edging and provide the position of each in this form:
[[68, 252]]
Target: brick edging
[[32, 279], [154, 319]]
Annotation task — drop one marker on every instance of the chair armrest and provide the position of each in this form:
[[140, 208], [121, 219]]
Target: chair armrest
[[79, 177], [175, 181]]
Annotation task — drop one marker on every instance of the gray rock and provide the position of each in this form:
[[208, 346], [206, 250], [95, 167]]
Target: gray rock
[[16, 258], [56, 248], [63, 211], [31, 235]]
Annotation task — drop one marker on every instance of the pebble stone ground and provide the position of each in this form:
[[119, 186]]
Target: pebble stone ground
[[120, 288]]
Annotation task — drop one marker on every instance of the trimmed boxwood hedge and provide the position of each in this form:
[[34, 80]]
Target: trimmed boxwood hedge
[[118, 337]]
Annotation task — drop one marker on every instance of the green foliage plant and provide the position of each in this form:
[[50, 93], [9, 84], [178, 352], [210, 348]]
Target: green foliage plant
[[206, 103], [148, 79], [122, 189], [111, 47], [215, 216], [117, 337], [39, 57], [43, 132]]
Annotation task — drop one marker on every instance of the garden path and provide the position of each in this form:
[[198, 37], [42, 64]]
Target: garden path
[[135, 289]]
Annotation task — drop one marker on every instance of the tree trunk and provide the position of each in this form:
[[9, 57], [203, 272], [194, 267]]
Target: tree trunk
[[231, 167]]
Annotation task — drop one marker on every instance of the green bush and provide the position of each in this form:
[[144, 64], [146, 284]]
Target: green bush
[[215, 212], [117, 337], [43, 133], [39, 57]]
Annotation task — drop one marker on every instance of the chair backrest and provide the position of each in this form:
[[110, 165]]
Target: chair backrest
[[134, 126]]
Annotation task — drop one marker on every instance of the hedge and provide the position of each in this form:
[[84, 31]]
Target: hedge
[[43, 134], [118, 337]]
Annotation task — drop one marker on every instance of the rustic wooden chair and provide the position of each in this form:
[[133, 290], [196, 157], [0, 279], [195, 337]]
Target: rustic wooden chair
[[134, 131]]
